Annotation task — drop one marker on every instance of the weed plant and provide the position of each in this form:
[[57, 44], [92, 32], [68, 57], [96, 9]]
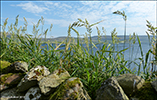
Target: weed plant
[[80, 61]]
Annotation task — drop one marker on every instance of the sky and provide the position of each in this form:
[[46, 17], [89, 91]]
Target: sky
[[63, 13]]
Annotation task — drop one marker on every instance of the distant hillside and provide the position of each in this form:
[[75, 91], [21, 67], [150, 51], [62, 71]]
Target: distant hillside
[[143, 38]]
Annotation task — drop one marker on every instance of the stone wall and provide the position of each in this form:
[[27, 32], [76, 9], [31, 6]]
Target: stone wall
[[39, 84]]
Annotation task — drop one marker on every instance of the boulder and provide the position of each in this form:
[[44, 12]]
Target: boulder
[[62, 73], [9, 80], [130, 82], [154, 84], [19, 66], [32, 77], [133, 98], [16, 67], [3, 67], [146, 92], [49, 83], [110, 90], [33, 94], [71, 89], [3, 87], [11, 94]]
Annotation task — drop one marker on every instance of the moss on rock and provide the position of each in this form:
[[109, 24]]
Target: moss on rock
[[59, 94], [71, 89], [146, 92], [4, 65], [5, 77]]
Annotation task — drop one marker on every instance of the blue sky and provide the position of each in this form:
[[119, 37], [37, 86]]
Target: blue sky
[[63, 13]]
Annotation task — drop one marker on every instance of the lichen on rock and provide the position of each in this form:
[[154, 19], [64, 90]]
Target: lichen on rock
[[20, 66], [52, 81], [32, 77], [62, 73]]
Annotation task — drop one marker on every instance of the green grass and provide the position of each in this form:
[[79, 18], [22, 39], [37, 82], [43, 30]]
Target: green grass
[[82, 62]]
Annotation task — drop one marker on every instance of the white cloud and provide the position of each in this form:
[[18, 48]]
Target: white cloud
[[65, 5], [48, 3], [61, 22], [64, 13], [137, 14], [31, 7], [141, 6], [56, 4], [143, 10]]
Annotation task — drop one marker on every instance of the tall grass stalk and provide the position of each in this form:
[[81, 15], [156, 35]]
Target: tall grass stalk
[[125, 19]]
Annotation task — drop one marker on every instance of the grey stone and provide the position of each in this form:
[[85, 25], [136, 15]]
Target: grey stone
[[12, 94], [9, 80], [32, 77], [49, 83], [18, 66], [111, 90], [3, 87], [130, 82], [133, 98], [62, 73], [33, 94], [154, 84]]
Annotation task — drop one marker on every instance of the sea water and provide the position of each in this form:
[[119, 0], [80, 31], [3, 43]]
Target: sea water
[[133, 53]]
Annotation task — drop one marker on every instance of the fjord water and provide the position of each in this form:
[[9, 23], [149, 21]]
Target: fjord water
[[133, 53]]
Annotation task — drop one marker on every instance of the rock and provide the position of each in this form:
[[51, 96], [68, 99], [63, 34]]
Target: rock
[[14, 79], [16, 67], [3, 87], [49, 83], [20, 66], [130, 82], [111, 90], [71, 89], [11, 94], [3, 67], [146, 92], [9, 80], [3, 98], [62, 73], [32, 77], [154, 84], [33, 94], [3, 78], [133, 98]]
